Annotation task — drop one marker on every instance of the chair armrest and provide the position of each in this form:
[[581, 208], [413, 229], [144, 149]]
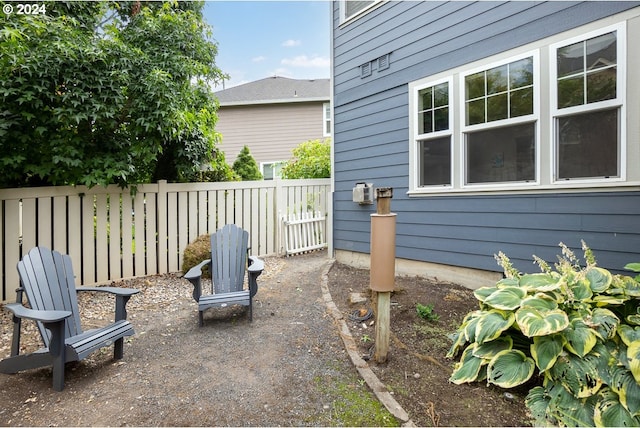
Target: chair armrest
[[33, 314], [196, 271], [256, 265], [111, 290]]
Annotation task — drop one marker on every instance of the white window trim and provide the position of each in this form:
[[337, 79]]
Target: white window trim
[[416, 138], [531, 118], [619, 102], [343, 18], [326, 119]]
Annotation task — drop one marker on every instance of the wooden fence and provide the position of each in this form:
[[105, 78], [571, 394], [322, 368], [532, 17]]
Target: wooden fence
[[111, 234]]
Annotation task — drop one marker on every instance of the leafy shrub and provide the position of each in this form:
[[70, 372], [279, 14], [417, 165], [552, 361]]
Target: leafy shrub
[[312, 159], [577, 328], [426, 312], [196, 252]]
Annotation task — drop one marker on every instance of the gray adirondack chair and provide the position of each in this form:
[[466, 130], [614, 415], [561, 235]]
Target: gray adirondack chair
[[47, 279], [229, 254]]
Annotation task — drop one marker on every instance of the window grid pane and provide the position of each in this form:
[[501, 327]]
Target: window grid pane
[[433, 109], [587, 71], [489, 94]]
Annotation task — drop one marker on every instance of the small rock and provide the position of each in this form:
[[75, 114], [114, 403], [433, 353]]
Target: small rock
[[416, 375], [356, 298]]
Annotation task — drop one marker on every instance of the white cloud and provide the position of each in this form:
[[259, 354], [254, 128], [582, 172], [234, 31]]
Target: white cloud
[[258, 58], [291, 43], [305, 61]]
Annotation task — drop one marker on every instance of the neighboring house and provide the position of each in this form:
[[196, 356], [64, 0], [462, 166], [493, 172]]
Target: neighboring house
[[501, 126], [272, 116]]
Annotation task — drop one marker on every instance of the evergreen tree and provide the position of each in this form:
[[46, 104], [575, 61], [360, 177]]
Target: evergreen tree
[[246, 166]]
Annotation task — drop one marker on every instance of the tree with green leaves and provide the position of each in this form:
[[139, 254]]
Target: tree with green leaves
[[246, 167], [312, 159], [98, 93]]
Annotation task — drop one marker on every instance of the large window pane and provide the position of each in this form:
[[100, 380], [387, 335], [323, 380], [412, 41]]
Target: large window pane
[[590, 65], [435, 162], [521, 73], [501, 155], [521, 102], [588, 145]]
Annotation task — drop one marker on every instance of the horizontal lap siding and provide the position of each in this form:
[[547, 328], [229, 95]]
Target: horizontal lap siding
[[371, 138]]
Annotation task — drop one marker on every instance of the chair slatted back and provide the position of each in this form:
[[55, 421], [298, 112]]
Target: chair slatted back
[[48, 281], [229, 247]]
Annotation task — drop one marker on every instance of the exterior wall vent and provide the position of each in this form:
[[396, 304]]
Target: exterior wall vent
[[384, 62], [365, 70]]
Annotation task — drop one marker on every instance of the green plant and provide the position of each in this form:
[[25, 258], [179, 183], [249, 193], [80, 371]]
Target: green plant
[[577, 327], [196, 252], [426, 312], [366, 338], [312, 159], [245, 166]]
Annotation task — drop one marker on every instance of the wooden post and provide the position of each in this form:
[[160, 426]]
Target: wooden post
[[382, 269]]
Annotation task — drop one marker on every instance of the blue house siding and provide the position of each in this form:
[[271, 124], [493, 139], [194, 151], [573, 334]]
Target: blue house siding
[[371, 139]]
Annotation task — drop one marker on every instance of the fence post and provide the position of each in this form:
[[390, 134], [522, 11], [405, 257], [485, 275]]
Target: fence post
[[162, 226]]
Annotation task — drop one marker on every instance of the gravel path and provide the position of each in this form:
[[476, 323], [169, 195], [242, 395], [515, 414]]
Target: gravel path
[[273, 371]]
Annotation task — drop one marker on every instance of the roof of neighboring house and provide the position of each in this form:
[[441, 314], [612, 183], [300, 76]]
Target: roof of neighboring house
[[272, 90]]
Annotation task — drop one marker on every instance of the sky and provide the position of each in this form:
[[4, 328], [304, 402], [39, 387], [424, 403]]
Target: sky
[[259, 39]]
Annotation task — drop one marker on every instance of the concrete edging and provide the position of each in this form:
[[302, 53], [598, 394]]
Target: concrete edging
[[378, 388]]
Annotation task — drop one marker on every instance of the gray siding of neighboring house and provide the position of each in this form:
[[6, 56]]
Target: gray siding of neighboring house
[[270, 131], [371, 139]]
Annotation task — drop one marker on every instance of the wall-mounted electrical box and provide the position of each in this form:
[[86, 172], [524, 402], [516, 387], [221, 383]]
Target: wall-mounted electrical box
[[363, 193]]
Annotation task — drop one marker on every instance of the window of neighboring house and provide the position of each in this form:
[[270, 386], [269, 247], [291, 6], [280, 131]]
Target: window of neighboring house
[[326, 109], [587, 106], [349, 9], [500, 119], [433, 142], [271, 170]]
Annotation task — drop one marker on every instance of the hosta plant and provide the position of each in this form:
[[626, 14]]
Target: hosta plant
[[574, 329]]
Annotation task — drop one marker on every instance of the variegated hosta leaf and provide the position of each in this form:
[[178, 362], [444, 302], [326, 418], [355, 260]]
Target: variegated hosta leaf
[[604, 300], [540, 301], [510, 368], [469, 325], [581, 290], [488, 350], [609, 412], [633, 266], [599, 279], [580, 338], [605, 322], [567, 410], [633, 355], [507, 298], [630, 285], [491, 325], [633, 319], [537, 401], [578, 375], [534, 322], [507, 282], [628, 334], [546, 349], [458, 341], [628, 390], [539, 282], [467, 369], [483, 292]]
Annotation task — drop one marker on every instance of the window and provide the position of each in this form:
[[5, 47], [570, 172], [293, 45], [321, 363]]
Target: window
[[350, 9], [551, 115], [326, 112], [587, 78], [434, 135], [271, 170], [500, 119]]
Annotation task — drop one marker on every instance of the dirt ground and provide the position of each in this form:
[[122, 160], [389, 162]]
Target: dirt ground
[[288, 367]]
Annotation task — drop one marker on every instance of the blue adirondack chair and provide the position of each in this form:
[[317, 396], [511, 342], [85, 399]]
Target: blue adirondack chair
[[229, 254], [47, 279]]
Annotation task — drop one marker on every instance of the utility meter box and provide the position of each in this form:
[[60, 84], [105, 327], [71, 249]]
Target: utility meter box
[[363, 193]]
